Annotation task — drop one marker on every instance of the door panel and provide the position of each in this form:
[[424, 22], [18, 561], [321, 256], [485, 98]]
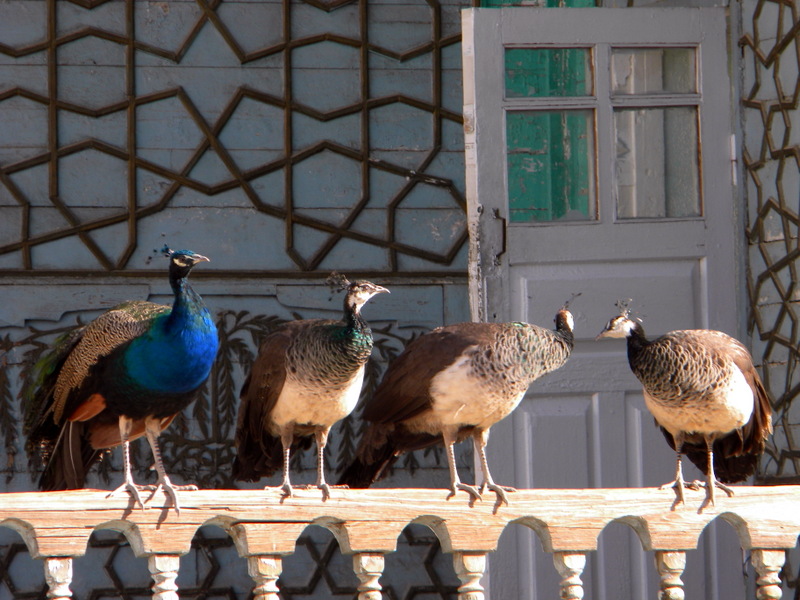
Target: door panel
[[616, 187]]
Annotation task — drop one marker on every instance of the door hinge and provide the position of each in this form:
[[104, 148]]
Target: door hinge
[[498, 256]]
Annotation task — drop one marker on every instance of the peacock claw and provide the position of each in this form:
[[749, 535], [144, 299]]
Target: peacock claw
[[470, 489], [710, 499], [326, 490], [170, 490], [500, 490], [133, 490], [286, 488], [679, 485]]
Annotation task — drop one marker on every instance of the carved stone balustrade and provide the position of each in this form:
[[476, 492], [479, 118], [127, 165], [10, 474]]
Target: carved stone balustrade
[[56, 527]]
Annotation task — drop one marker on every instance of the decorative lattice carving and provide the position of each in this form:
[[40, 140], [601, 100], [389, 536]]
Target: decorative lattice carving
[[771, 154], [315, 135]]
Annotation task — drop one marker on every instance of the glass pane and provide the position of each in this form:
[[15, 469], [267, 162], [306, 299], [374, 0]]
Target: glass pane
[[551, 165], [653, 71], [657, 163], [543, 72]]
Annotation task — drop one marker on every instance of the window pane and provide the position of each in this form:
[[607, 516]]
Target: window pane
[[542, 72], [653, 71], [551, 166], [657, 166]]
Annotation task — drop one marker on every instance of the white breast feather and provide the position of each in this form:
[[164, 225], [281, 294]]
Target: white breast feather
[[722, 411], [300, 404], [454, 390]]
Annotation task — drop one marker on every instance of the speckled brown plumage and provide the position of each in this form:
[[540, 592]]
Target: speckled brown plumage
[[706, 396], [307, 376], [451, 383]]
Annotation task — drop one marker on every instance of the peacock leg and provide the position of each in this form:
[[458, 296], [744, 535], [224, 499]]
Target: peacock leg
[[711, 479], [678, 483], [152, 429], [321, 436], [287, 436], [479, 440], [125, 426], [449, 436]]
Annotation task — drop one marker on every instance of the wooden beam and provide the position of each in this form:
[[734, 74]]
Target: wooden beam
[[58, 524]]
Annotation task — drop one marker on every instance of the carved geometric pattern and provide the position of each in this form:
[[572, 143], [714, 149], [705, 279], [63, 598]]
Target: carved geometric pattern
[[771, 153], [327, 574], [772, 160], [326, 128]]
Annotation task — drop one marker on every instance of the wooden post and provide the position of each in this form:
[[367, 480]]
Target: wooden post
[[469, 570], [570, 566], [768, 564], [368, 567], [670, 566], [265, 570], [58, 575], [164, 570]]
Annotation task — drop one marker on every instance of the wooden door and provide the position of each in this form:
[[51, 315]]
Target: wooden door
[[598, 162]]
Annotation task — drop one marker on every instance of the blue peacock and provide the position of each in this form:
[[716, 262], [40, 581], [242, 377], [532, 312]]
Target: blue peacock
[[126, 374]]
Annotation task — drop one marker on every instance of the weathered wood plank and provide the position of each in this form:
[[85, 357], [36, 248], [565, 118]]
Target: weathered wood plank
[[262, 523]]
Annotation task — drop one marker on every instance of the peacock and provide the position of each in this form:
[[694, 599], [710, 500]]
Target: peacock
[[453, 383], [126, 374], [705, 394], [306, 377]]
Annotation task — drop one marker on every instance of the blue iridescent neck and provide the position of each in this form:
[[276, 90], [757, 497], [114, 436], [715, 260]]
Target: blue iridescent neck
[[187, 304]]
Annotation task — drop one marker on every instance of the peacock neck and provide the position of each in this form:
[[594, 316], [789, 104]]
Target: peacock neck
[[637, 341], [356, 336], [352, 316], [186, 307], [565, 333], [566, 339], [356, 322]]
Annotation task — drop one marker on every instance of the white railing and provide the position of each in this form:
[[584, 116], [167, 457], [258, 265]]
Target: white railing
[[56, 527]]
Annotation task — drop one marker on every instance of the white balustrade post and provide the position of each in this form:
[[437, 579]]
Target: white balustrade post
[[768, 565], [470, 567], [164, 570], [368, 567], [570, 566], [265, 570], [670, 566], [58, 576]]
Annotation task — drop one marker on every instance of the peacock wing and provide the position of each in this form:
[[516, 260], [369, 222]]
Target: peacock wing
[[752, 437], [404, 391], [37, 395], [258, 452], [98, 339]]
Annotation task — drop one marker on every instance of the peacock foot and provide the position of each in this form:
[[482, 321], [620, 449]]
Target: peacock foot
[[470, 489], [710, 499], [170, 490], [286, 488], [326, 490], [679, 485], [500, 490], [131, 488]]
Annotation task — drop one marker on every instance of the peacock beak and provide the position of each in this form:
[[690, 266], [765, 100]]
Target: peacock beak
[[379, 290], [200, 258]]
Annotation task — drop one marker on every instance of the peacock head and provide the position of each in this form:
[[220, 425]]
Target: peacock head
[[182, 261], [623, 325], [564, 319], [358, 292]]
